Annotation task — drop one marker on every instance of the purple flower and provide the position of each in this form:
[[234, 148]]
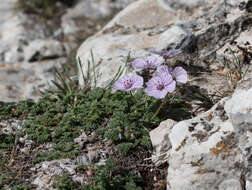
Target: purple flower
[[167, 53], [128, 83], [148, 62], [179, 74], [160, 85]]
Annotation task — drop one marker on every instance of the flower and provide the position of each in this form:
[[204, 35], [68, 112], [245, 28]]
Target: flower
[[128, 83], [161, 70], [148, 62], [179, 74], [160, 85]]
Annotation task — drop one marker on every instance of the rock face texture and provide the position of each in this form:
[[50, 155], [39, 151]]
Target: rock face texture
[[31, 47], [212, 150], [199, 28]]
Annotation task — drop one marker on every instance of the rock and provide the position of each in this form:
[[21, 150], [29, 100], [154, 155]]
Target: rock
[[212, 150], [38, 50], [199, 28], [93, 156], [45, 172], [82, 139], [127, 32], [27, 80], [78, 18], [27, 147], [11, 126], [160, 141], [16, 29]]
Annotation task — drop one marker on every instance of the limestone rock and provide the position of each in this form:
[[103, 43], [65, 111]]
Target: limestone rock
[[16, 29], [43, 49], [89, 10], [212, 150], [25, 80], [160, 141], [46, 172], [199, 28]]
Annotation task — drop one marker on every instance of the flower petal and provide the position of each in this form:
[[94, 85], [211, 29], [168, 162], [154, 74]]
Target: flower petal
[[118, 85], [154, 61], [152, 88], [138, 63], [138, 82], [161, 70], [171, 87], [180, 74]]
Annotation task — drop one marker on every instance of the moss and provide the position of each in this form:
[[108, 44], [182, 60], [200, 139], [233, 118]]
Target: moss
[[22, 187], [64, 182], [115, 116], [6, 142]]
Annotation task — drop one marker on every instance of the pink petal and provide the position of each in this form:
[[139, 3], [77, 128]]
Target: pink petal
[[180, 74], [138, 82], [138, 63], [171, 87], [162, 69], [118, 85]]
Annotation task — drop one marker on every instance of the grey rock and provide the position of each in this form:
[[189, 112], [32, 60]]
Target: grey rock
[[90, 10], [45, 172], [26, 80], [212, 150], [82, 159], [93, 156], [82, 139], [199, 28], [10, 127], [160, 141], [15, 30], [43, 49]]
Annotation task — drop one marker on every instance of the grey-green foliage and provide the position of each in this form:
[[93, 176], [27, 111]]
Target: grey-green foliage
[[108, 177]]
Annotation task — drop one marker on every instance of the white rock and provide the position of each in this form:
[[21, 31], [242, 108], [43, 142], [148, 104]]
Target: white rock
[[43, 49], [46, 171], [160, 141]]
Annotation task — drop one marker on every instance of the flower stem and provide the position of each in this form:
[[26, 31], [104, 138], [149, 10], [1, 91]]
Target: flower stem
[[133, 97], [159, 108]]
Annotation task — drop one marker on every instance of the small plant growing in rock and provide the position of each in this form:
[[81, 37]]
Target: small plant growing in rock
[[163, 80]]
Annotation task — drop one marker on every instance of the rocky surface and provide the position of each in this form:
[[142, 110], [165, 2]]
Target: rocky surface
[[31, 46], [211, 150], [199, 28]]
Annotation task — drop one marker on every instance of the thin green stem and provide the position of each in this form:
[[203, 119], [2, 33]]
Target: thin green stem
[[133, 97]]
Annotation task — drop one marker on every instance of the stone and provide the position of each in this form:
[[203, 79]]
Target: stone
[[27, 80], [82, 159], [81, 140], [93, 156], [212, 150], [199, 28], [160, 141], [38, 50], [23, 29], [45, 172], [11, 127], [78, 17]]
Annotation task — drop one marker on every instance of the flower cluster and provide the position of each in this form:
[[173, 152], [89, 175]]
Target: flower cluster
[[163, 80]]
